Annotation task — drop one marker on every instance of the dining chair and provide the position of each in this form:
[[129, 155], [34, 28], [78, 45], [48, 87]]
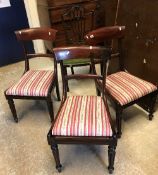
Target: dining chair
[[34, 84], [76, 22], [124, 88], [83, 119]]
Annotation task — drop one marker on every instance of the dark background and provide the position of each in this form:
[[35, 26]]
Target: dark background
[[141, 42], [11, 19]]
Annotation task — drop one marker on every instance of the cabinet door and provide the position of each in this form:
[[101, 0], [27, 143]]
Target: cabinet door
[[140, 19], [134, 58], [151, 66]]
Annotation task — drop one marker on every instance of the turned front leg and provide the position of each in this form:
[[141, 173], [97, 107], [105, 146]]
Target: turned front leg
[[119, 121], [13, 110], [111, 156], [55, 152]]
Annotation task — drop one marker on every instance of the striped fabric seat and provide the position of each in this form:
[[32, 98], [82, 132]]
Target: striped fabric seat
[[83, 116], [32, 83], [126, 88]]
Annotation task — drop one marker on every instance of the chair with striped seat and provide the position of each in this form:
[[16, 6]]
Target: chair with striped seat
[[83, 119], [34, 84], [124, 88]]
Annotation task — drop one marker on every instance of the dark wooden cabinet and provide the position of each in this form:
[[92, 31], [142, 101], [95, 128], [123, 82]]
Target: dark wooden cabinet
[[141, 39], [57, 8]]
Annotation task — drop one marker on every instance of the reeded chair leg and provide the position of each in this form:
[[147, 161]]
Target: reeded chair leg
[[65, 71], [111, 156], [98, 92], [72, 70], [50, 108], [13, 110], [119, 121], [57, 90], [101, 68], [90, 69], [152, 105], [55, 152]]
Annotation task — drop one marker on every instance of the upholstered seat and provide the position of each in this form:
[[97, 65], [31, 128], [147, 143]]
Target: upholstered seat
[[127, 88], [32, 83], [83, 116]]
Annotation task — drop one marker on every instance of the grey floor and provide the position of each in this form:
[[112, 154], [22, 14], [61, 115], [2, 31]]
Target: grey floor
[[24, 149]]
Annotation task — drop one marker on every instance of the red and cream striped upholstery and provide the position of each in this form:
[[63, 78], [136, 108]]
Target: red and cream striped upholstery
[[83, 116], [32, 83], [126, 88]]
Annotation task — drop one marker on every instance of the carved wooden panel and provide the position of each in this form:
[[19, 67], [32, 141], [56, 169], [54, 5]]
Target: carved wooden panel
[[56, 8]]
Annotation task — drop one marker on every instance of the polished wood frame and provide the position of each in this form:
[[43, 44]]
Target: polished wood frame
[[74, 53], [25, 36], [117, 33]]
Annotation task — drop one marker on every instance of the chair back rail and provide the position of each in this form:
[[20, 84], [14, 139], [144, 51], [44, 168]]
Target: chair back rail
[[75, 52], [38, 33], [44, 33], [106, 34]]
